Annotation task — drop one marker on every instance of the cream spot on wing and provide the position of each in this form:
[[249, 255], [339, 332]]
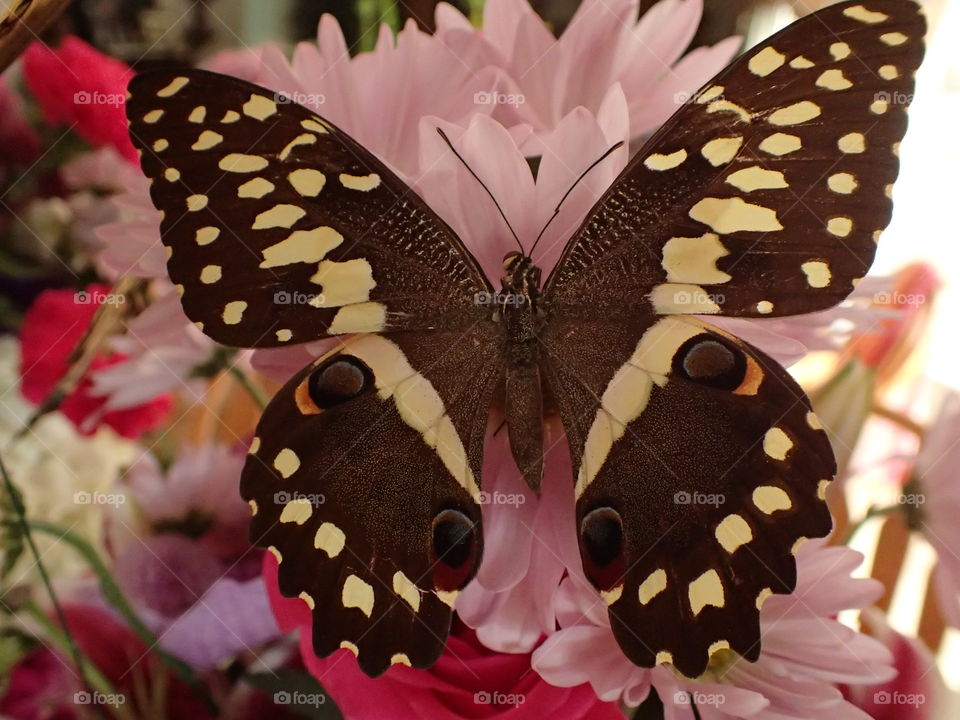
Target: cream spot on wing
[[879, 107], [833, 79], [780, 144], [813, 422], [717, 647], [197, 202], [843, 183], [796, 545], [347, 645], [206, 235], [297, 511], [255, 188], [766, 61], [859, 12], [230, 116], [770, 499], [259, 107], [711, 93], [665, 162], [694, 260], [198, 326], [406, 590], [307, 246], [368, 317], [764, 307], [840, 51], [305, 139], [330, 539], [895, 148], [727, 106], [284, 335], [600, 438], [211, 274], [286, 462], [180, 289], [611, 596], [343, 283], [314, 126], [282, 215], [706, 590], [357, 594], [198, 114], [175, 86], [233, 312], [817, 272], [168, 251], [240, 163], [207, 140], [153, 116], [447, 597], [171, 174], [655, 584], [728, 215], [733, 532], [400, 659], [852, 143], [364, 183], [160, 145], [799, 112], [306, 597], [253, 507], [757, 178], [721, 150], [762, 597], [276, 553], [254, 445], [876, 235], [776, 443], [307, 181], [893, 39], [888, 191], [840, 226], [664, 658], [889, 72], [822, 489], [800, 63]]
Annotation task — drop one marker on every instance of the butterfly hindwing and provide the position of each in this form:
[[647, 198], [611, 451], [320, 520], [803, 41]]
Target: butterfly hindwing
[[699, 466], [363, 480], [279, 227], [764, 194]]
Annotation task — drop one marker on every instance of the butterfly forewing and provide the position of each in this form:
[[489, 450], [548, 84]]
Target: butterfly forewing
[[279, 227], [764, 194]]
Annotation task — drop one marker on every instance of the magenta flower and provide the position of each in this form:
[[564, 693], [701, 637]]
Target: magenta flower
[[805, 651]]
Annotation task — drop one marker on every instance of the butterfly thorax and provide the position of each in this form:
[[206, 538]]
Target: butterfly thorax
[[518, 307]]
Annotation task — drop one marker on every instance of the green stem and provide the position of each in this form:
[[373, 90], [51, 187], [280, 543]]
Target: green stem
[[255, 393], [21, 514], [872, 512], [114, 595], [98, 681]]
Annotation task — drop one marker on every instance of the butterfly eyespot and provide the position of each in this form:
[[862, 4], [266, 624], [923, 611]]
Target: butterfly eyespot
[[601, 541], [711, 361], [341, 378], [454, 547]]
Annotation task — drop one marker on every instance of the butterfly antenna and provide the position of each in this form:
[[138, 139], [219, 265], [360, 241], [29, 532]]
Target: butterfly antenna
[[556, 210], [477, 178]]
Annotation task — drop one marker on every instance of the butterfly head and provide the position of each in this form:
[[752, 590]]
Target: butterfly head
[[520, 275]]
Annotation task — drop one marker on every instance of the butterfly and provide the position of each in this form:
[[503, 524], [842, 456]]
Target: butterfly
[[699, 465]]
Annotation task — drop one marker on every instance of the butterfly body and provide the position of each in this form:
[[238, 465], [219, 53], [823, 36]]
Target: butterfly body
[[699, 466]]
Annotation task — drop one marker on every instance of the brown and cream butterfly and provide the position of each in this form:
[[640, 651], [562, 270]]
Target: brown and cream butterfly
[[763, 196]]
